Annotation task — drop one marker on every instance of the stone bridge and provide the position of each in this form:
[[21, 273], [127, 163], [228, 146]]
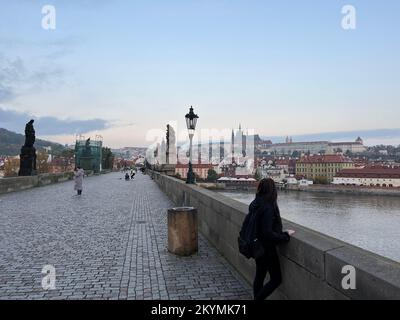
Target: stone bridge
[[110, 243]]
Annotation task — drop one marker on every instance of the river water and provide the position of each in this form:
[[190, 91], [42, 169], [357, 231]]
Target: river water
[[368, 222]]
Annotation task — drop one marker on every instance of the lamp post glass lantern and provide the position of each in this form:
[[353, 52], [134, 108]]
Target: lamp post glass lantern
[[191, 121]]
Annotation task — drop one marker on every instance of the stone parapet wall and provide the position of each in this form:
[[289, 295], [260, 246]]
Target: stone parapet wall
[[22, 183]]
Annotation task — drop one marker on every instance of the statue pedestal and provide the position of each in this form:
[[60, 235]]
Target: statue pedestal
[[168, 169], [27, 161]]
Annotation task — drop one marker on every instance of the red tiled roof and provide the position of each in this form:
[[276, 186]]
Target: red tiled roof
[[328, 158], [282, 162], [371, 172]]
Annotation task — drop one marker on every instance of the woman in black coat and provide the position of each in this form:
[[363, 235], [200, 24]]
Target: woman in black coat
[[270, 234]]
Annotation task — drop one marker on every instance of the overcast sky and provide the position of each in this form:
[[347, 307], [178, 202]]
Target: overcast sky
[[121, 68]]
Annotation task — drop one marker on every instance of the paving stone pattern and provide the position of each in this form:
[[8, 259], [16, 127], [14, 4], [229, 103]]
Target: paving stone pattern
[[110, 243]]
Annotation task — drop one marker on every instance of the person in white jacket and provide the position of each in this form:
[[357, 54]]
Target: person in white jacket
[[78, 177]]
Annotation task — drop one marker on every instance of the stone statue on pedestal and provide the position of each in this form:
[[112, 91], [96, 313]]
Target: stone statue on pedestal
[[27, 157]]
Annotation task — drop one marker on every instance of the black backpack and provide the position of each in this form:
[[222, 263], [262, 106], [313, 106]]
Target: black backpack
[[249, 244]]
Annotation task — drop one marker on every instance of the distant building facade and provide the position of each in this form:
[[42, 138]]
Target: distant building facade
[[61, 164], [287, 149], [200, 170], [322, 167], [314, 147], [238, 182], [276, 173], [260, 143], [345, 147], [370, 176]]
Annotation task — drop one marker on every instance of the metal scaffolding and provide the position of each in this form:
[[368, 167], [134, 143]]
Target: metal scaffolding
[[88, 153]]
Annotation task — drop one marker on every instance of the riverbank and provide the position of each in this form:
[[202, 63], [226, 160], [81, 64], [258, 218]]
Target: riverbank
[[353, 190], [337, 189]]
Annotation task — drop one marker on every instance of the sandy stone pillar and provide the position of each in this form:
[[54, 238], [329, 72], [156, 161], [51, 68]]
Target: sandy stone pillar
[[182, 231]]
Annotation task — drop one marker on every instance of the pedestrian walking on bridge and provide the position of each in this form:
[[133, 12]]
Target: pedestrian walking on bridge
[[78, 177]]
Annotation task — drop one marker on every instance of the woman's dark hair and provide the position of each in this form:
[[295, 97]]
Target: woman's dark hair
[[267, 190]]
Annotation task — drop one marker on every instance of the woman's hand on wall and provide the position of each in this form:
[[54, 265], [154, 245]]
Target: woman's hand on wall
[[291, 232]]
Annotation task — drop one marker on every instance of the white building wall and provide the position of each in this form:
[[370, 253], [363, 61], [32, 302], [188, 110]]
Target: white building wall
[[367, 181], [353, 148], [288, 149]]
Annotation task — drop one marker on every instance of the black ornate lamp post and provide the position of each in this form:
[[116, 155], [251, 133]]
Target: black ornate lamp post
[[191, 121]]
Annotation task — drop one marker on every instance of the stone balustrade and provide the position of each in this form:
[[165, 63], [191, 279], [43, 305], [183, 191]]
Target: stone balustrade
[[22, 183]]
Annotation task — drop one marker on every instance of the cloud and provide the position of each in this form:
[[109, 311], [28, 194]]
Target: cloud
[[16, 79], [6, 93], [11, 73], [15, 121]]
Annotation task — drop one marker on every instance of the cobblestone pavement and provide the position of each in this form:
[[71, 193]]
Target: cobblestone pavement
[[110, 243]]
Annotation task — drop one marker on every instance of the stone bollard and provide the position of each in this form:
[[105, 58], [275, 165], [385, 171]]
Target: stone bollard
[[182, 231]]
